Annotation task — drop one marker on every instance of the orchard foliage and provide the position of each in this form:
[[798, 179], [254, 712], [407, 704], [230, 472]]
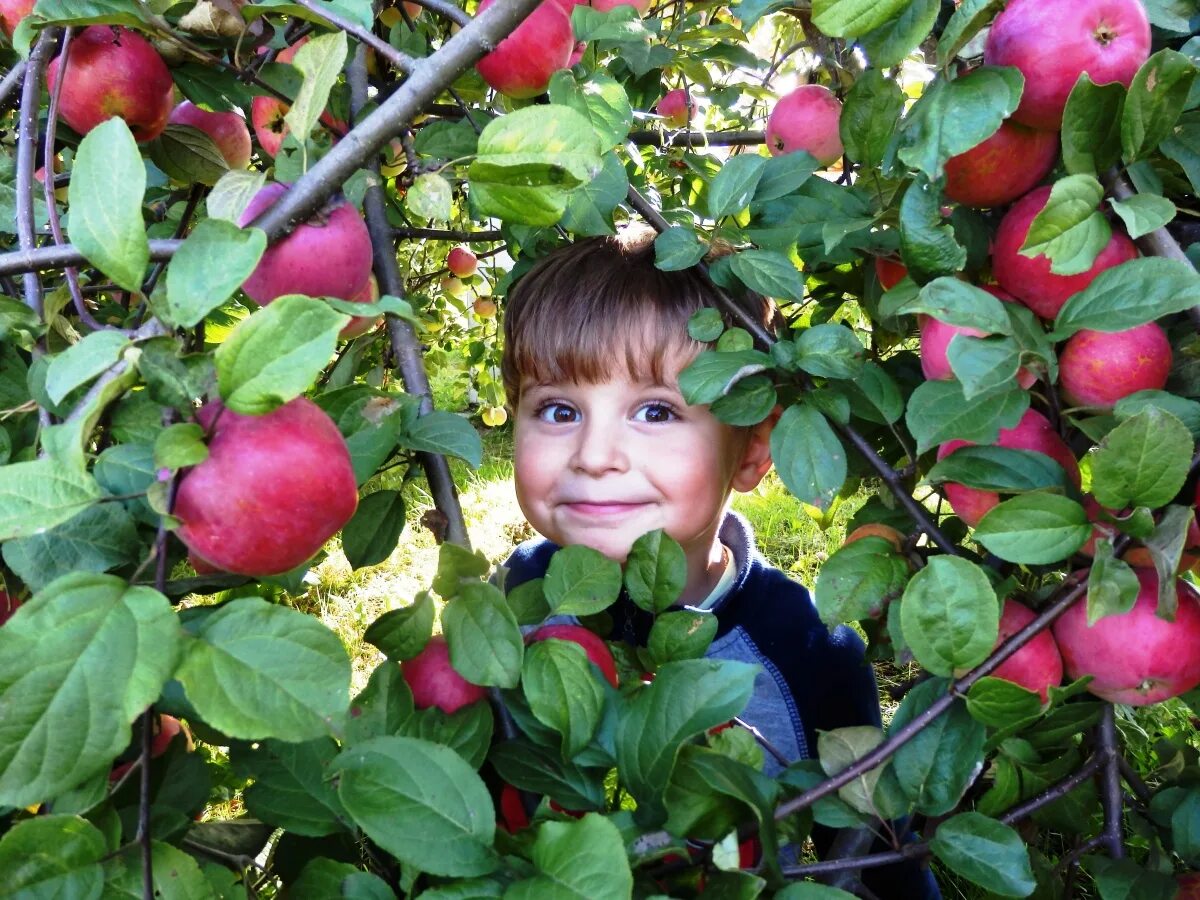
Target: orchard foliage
[[1071, 393]]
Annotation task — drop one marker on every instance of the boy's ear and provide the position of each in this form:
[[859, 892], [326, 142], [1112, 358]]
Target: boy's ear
[[756, 456]]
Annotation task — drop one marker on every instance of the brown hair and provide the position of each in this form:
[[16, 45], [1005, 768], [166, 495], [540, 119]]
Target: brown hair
[[574, 314]]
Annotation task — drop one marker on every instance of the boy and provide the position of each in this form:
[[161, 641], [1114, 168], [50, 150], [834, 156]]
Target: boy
[[606, 450]]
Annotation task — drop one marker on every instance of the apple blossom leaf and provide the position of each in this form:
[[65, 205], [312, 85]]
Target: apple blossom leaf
[[937, 766], [53, 856], [450, 434], [211, 87], [950, 615], [620, 24], [291, 788], [655, 571], [808, 456], [321, 61], [232, 194], [99, 538], [40, 494], [734, 185], [859, 581], [179, 446], [468, 732], [829, 350], [713, 373], [421, 802], [1131, 294], [91, 12], [768, 272], [1186, 411], [541, 770], [600, 99], [108, 181], [581, 581], [483, 636], [749, 402], [83, 630], [938, 412], [1185, 827], [373, 533], [1143, 213], [927, 239], [83, 361], [466, 889], [985, 852], [1070, 230], [276, 353], [430, 197], [1112, 585], [983, 364], [402, 633], [838, 749], [443, 139], [1144, 461], [682, 634], [1034, 529], [869, 117], [188, 155], [679, 247], [955, 302], [874, 395], [590, 206], [968, 20], [1126, 879], [685, 699], [1166, 549], [888, 44], [1091, 129], [563, 691], [952, 117], [1004, 469], [254, 670], [195, 287], [582, 860], [783, 174], [334, 880], [999, 703], [852, 18], [1157, 95], [383, 707]]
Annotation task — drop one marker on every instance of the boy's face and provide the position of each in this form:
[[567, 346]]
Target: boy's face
[[602, 464]]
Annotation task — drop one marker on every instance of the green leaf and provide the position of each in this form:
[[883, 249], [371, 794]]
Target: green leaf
[[83, 630], [892, 41], [582, 860], [1185, 827], [1034, 529], [450, 434], [950, 615], [108, 179], [999, 469], [1143, 213], [859, 581], [53, 856], [783, 174], [713, 373], [955, 302], [1186, 411], [769, 273], [563, 692], [340, 881], [808, 456], [1091, 130], [927, 240], [484, 638], [421, 802], [468, 732], [812, 891], [457, 566], [875, 395], [851, 18], [1131, 294], [291, 788], [83, 361], [255, 671], [870, 117], [951, 117], [838, 749], [581, 581], [1112, 585], [748, 402], [968, 20], [829, 351], [685, 698], [403, 633], [276, 353], [430, 197], [195, 287], [40, 494], [734, 187], [982, 365], [179, 446], [937, 766], [446, 140], [938, 411], [370, 537], [986, 853], [590, 206], [100, 538], [655, 571], [383, 707], [999, 703], [681, 635], [677, 248], [1144, 461], [321, 61], [541, 770], [1070, 230], [232, 194], [188, 155], [1157, 95], [1125, 879], [600, 99]]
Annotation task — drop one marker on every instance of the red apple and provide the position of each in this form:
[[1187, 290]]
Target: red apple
[[1033, 432], [227, 129], [673, 107], [1036, 666], [522, 63], [360, 325], [112, 71], [1189, 886], [890, 272], [8, 605], [1004, 167], [512, 816], [462, 262], [327, 256], [1028, 278], [806, 119], [202, 565], [1097, 368], [593, 645], [1135, 657], [273, 489], [1052, 42], [935, 341], [12, 12], [642, 6], [166, 729], [434, 682], [577, 54], [267, 113]]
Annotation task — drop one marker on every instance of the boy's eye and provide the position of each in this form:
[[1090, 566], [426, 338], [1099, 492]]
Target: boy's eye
[[557, 413], [655, 413]]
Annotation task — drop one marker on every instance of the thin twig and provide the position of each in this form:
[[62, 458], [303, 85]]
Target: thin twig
[[8, 86], [144, 837], [401, 61], [448, 10], [27, 141], [441, 234], [1111, 798]]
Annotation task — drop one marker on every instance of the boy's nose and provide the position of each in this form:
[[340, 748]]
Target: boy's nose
[[600, 449]]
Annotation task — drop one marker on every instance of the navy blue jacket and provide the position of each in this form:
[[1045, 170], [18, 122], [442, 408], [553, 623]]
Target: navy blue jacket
[[810, 679]]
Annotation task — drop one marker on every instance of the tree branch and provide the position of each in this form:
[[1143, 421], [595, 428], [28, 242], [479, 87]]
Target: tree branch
[[1111, 799], [26, 157], [401, 61], [36, 259]]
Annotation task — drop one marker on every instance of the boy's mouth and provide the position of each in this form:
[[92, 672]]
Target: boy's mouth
[[602, 508]]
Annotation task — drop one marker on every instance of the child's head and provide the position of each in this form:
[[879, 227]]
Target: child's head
[[605, 447]]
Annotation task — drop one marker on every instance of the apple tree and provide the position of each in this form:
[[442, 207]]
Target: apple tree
[[235, 238]]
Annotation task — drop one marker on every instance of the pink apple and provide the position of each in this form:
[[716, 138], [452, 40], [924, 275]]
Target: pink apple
[[1004, 167], [227, 129], [593, 645], [1097, 369], [267, 113], [360, 325], [806, 119], [577, 52], [673, 107], [1135, 657], [435, 682], [889, 272], [1036, 666], [272, 491], [12, 12], [8, 605], [1052, 42], [462, 262], [112, 71], [522, 63], [935, 341], [327, 256], [1033, 432], [1028, 278], [642, 6]]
